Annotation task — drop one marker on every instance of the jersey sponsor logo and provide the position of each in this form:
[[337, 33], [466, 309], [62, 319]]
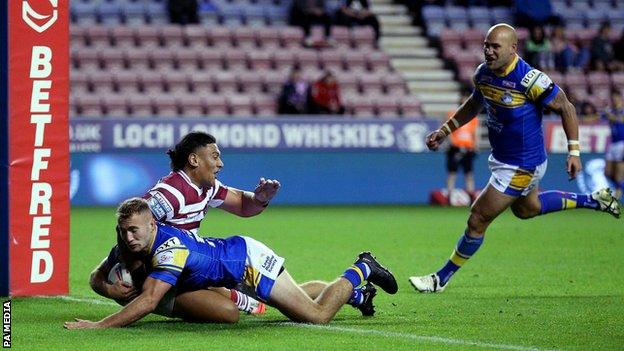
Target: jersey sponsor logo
[[269, 263], [159, 205], [528, 78], [165, 257], [543, 82], [173, 242], [509, 84]]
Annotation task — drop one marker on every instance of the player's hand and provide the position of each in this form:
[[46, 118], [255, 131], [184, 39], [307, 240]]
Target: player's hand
[[573, 166], [435, 139], [81, 324], [122, 291], [266, 190]]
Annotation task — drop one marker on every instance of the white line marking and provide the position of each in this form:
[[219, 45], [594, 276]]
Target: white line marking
[[432, 339], [333, 328]]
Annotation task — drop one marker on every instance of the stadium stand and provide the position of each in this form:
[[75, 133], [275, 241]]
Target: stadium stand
[[127, 60]]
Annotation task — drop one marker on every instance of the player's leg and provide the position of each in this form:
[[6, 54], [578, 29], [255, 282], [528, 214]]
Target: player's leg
[[205, 306], [467, 164], [541, 203], [506, 184], [619, 176], [314, 288], [452, 165], [293, 302]]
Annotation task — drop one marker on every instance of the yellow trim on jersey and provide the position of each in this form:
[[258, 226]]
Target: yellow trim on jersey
[[251, 276], [495, 94], [567, 203], [535, 90], [521, 179], [179, 259], [510, 67]]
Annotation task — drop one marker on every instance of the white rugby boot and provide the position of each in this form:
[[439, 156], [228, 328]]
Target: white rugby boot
[[427, 283], [607, 202]]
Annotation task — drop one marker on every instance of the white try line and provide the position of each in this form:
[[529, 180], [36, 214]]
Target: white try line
[[333, 328]]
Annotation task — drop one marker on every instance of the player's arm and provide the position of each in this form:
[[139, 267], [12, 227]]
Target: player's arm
[[120, 291], [564, 108], [246, 203], [466, 112], [153, 292]]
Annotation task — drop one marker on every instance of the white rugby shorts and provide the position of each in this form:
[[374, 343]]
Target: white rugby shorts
[[615, 152], [513, 180]]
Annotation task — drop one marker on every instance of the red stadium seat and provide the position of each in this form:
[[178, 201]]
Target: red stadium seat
[[201, 83], [102, 82], [225, 82], [265, 105], [251, 82], [220, 37], [162, 59], [331, 59], [473, 37], [450, 37], [138, 58], [191, 105], [210, 60], [98, 36], [216, 105], [378, 61], [307, 58], [147, 36], [79, 82], [291, 37], [115, 105], [274, 81], [86, 59], [268, 37], [575, 79], [127, 82], [348, 83], [355, 61], [259, 60], [177, 82], [240, 105], [387, 107], [90, 106], [361, 106], [284, 59], [78, 35], [235, 59], [599, 80], [394, 84], [363, 36], [113, 59], [371, 84], [449, 51], [165, 105], [123, 37], [245, 37], [196, 36], [152, 82], [172, 36], [186, 60], [341, 35], [617, 79], [410, 107], [140, 105]]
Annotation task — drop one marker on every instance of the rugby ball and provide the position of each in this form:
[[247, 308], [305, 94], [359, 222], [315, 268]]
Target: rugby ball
[[119, 272]]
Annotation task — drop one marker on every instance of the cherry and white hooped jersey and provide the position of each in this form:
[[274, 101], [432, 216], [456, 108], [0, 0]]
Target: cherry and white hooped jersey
[[176, 201]]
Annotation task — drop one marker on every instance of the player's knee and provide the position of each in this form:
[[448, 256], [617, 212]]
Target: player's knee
[[478, 222], [524, 212]]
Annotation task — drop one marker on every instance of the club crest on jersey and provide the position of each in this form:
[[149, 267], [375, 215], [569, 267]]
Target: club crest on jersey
[[509, 84], [506, 99]]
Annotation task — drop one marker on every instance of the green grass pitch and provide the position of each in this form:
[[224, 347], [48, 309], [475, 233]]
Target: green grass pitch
[[555, 282]]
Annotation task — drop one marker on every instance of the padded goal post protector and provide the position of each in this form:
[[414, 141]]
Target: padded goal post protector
[[34, 176]]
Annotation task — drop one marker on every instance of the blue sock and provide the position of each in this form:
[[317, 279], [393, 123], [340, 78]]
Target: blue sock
[[357, 273], [553, 201], [356, 298], [466, 247]]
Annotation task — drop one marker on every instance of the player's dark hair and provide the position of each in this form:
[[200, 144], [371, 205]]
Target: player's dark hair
[[130, 207], [191, 142]]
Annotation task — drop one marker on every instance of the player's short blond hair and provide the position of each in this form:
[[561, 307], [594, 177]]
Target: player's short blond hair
[[130, 207]]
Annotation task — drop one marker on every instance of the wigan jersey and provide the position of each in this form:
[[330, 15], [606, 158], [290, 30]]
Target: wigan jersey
[[514, 103], [176, 201], [190, 262]]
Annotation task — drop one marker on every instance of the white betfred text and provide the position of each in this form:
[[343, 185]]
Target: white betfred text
[[42, 265]]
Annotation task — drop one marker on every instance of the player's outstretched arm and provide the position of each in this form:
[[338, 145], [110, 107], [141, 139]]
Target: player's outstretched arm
[[466, 112], [564, 108], [153, 292], [246, 203], [120, 291]]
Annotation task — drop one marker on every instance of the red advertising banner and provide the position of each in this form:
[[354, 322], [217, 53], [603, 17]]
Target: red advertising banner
[[38, 87], [593, 137]]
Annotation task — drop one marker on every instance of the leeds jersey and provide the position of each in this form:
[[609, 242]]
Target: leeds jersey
[[514, 103], [190, 262]]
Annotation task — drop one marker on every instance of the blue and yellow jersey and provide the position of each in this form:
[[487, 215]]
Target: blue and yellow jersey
[[514, 102], [615, 116], [191, 262]]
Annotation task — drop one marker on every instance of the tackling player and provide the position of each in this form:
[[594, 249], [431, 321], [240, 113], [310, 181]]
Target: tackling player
[[182, 259], [513, 95]]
